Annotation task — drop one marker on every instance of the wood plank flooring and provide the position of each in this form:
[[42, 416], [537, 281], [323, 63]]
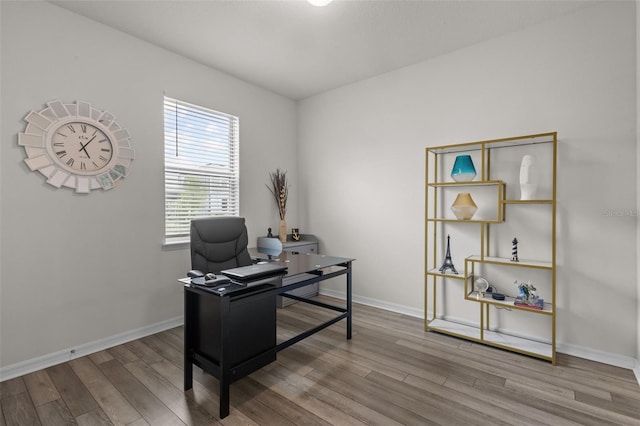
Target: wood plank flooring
[[390, 373]]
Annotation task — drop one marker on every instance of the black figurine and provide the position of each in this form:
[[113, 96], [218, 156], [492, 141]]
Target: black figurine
[[269, 234], [448, 262], [514, 250]]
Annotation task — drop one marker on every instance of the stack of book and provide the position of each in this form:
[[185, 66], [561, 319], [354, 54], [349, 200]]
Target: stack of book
[[536, 303]]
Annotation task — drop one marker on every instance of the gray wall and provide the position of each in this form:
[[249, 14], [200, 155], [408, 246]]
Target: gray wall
[[78, 269], [575, 75]]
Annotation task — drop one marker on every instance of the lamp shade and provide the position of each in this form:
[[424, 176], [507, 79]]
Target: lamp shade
[[463, 169], [463, 207]]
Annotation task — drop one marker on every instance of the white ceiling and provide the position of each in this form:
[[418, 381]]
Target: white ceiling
[[298, 50]]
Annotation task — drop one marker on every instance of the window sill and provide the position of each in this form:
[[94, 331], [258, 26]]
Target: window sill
[[175, 244]]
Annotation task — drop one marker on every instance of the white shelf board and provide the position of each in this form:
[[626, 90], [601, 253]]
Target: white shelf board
[[493, 338], [467, 183], [539, 201], [454, 328], [436, 272], [508, 302], [506, 261]]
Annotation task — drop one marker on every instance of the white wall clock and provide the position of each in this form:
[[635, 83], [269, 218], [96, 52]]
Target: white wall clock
[[76, 146]]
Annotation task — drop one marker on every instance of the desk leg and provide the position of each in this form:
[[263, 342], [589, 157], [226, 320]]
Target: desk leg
[[188, 373], [225, 356], [349, 297], [224, 395], [188, 339]]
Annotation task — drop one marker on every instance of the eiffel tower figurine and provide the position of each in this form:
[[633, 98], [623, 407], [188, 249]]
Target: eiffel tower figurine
[[448, 263]]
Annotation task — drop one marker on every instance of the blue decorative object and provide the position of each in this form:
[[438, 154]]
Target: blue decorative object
[[463, 169]]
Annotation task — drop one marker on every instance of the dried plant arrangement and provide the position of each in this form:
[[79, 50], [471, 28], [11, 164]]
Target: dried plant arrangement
[[280, 190]]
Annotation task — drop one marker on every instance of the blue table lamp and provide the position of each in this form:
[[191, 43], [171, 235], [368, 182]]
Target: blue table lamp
[[463, 169]]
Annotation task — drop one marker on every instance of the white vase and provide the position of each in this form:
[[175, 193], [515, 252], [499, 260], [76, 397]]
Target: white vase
[[528, 178]]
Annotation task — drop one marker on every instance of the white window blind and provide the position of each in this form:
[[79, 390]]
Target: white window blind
[[201, 167]]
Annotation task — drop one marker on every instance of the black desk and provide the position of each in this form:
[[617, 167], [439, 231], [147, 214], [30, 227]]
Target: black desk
[[231, 334]]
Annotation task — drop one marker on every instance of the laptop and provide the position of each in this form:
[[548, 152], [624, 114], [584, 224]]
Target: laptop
[[254, 271]]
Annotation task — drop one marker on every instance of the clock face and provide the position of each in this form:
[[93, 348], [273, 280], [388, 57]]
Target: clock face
[[81, 147], [76, 146]]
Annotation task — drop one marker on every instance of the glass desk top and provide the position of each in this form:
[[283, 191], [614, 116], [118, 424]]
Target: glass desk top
[[298, 263]]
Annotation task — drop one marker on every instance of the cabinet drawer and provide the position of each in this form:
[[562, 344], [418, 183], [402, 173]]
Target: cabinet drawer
[[302, 248]]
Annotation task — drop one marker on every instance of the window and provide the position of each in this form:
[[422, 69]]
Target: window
[[200, 165]]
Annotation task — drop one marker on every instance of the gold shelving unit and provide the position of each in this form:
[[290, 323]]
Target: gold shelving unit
[[437, 221]]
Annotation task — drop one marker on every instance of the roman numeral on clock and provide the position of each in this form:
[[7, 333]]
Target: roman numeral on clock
[[61, 153]]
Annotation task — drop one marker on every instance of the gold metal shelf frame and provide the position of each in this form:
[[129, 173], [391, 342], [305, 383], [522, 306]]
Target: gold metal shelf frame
[[482, 332]]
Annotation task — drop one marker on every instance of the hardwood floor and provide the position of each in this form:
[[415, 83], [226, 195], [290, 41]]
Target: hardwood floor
[[390, 373]]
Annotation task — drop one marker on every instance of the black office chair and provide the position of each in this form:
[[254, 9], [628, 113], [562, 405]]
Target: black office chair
[[219, 243]]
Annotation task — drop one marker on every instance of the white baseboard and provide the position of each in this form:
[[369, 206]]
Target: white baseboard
[[45, 361], [565, 348], [393, 307], [599, 356]]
